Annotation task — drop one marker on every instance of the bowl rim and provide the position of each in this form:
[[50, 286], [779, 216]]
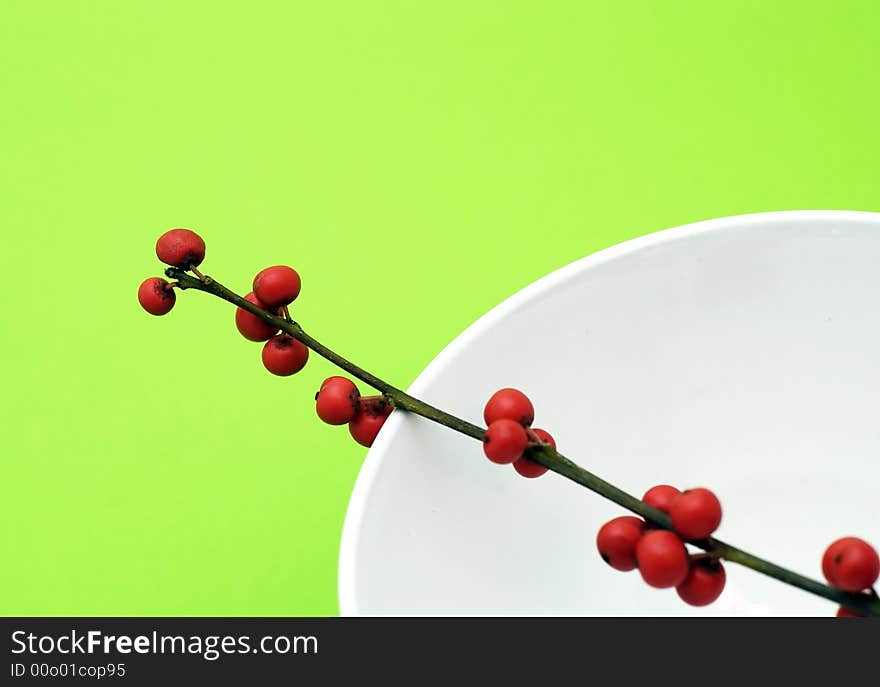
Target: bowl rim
[[350, 540]]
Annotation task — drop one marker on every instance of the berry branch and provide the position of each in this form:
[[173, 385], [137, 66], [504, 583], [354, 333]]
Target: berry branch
[[671, 517]]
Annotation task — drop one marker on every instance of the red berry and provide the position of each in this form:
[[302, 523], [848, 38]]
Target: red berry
[[844, 612], [509, 404], [337, 400], [371, 415], [851, 564], [283, 355], [529, 468], [181, 248], [617, 540], [662, 558], [277, 286], [696, 513], [156, 296], [661, 497], [251, 326], [704, 582], [505, 441]]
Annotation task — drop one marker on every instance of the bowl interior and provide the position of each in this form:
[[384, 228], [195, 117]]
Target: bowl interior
[[741, 354]]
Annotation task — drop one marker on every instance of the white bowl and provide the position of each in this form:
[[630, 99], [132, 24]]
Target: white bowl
[[742, 354]]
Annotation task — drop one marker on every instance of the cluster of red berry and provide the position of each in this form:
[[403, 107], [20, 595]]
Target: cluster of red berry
[[509, 415], [179, 248], [274, 289], [339, 401], [851, 564], [628, 542]]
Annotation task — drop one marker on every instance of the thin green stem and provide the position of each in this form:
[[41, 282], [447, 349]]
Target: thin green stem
[[543, 454]]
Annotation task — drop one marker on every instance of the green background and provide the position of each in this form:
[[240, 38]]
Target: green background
[[416, 162]]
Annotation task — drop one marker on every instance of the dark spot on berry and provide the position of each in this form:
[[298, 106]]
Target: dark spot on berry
[[605, 558], [316, 395], [375, 406], [838, 558], [707, 562]]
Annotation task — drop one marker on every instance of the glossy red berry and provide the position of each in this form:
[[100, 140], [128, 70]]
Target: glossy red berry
[[371, 415], [505, 441], [661, 497], [851, 564], [662, 558], [529, 468], [617, 540], [156, 296], [251, 326], [696, 513], [181, 248], [283, 355], [277, 286], [337, 400], [509, 404], [704, 582]]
